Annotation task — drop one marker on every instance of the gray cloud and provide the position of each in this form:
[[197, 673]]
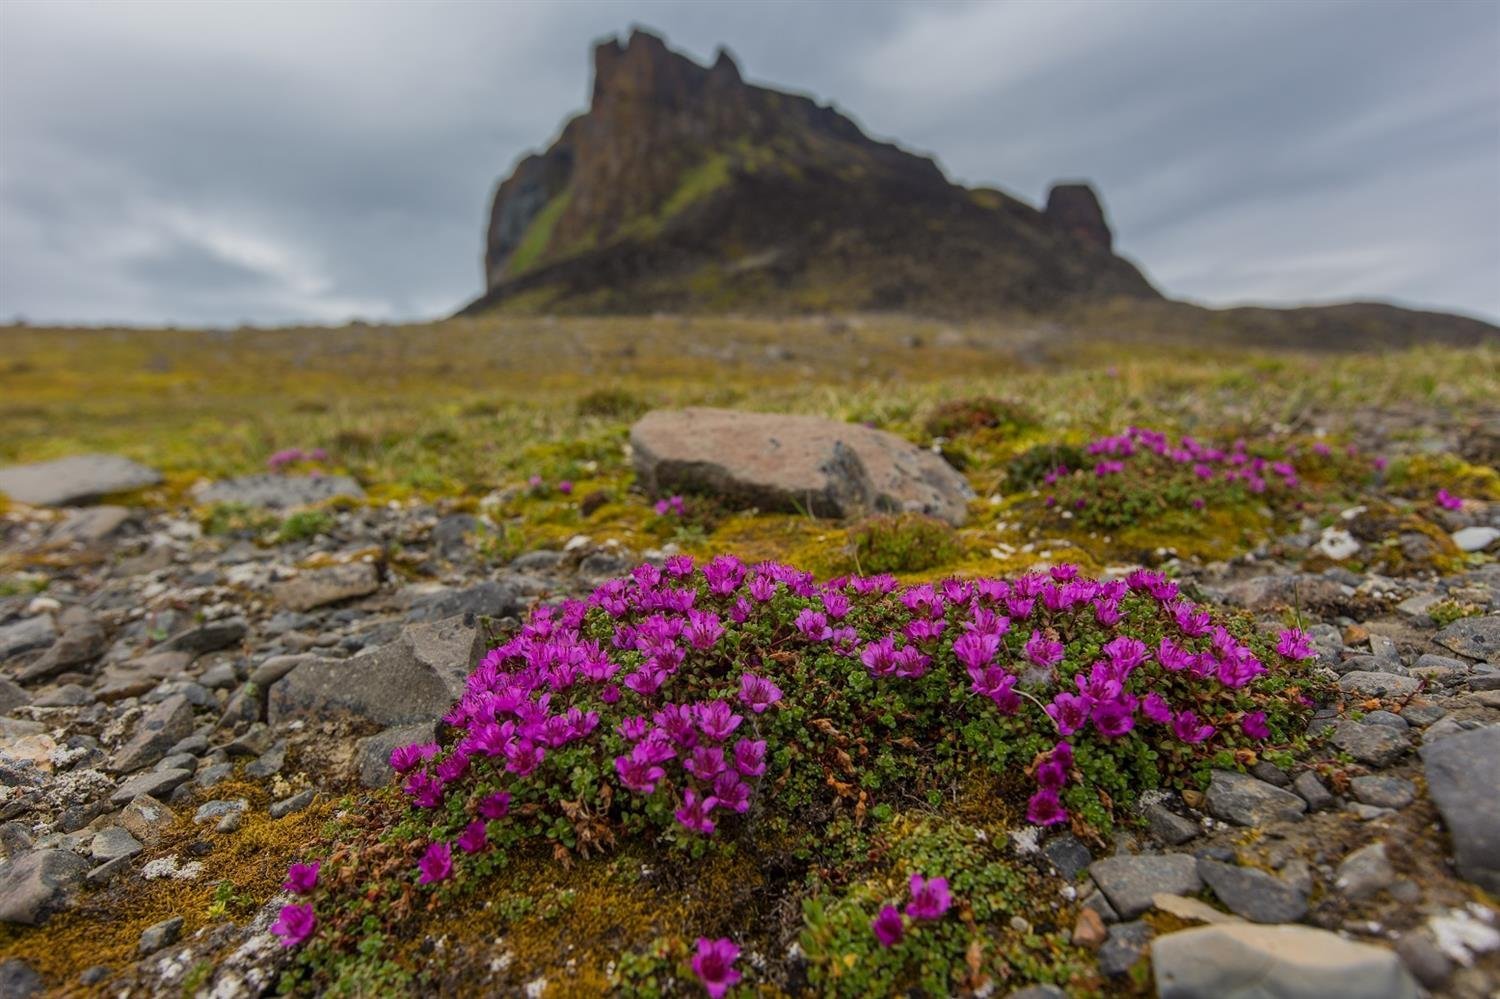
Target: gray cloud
[[274, 161]]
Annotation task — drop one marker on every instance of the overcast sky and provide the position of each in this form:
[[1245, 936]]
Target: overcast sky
[[212, 162]]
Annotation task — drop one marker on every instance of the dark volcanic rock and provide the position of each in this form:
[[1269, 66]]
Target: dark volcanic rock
[[1076, 208]]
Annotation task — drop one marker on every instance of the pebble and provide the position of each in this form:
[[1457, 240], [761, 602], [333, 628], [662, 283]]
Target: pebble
[[295, 803], [1386, 792], [1130, 881], [162, 934], [1246, 801], [1245, 960], [1364, 873], [1253, 894]]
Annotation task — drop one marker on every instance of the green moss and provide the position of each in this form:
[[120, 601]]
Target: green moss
[[902, 543], [538, 235], [697, 184]]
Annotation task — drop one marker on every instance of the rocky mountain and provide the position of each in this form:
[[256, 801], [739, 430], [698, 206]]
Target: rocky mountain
[[685, 189]]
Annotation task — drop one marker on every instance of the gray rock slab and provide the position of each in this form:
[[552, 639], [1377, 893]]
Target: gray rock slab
[[36, 885], [1246, 801], [1253, 894], [157, 731], [1368, 684], [1472, 637], [1130, 881], [74, 480], [1463, 778], [372, 755], [1364, 873], [26, 635], [156, 783], [1250, 961], [1373, 745]]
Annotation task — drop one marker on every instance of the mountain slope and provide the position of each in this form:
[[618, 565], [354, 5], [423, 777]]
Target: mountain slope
[[683, 187]]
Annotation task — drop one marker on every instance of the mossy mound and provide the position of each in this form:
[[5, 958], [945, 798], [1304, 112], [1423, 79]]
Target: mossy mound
[[741, 751]]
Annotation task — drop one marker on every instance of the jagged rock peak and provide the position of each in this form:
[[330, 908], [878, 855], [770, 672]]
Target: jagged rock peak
[[642, 68], [1074, 206]]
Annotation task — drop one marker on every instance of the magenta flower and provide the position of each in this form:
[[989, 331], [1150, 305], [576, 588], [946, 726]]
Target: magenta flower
[[294, 924], [888, 926], [301, 878], [757, 693], [1448, 501], [705, 762], [929, 898], [976, 650], [1044, 808], [1114, 718], [1294, 644], [1156, 708], [404, 758], [637, 771], [1254, 725], [750, 757], [474, 837], [814, 625], [436, 864], [703, 629], [733, 793], [717, 719], [694, 813], [1042, 651], [1070, 711], [714, 965], [565, 487], [1188, 728], [495, 806]]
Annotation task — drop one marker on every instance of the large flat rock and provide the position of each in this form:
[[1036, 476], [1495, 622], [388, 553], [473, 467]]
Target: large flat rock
[[1463, 777], [793, 464], [280, 492], [36, 885], [74, 480], [1247, 961]]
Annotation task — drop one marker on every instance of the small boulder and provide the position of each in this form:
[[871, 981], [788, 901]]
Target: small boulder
[[1372, 745], [1472, 637], [793, 464], [1254, 894], [155, 733]]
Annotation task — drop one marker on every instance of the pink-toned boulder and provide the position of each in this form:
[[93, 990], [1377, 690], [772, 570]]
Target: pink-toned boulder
[[793, 464]]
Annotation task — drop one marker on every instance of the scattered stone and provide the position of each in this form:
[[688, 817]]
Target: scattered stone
[[18, 980], [94, 975], [1038, 992], [155, 783], [1268, 593], [1245, 801], [1130, 881], [1384, 792], [490, 598], [26, 635], [1167, 826], [289, 806], [69, 695], [138, 676], [1463, 778], [219, 809], [1191, 909], [1472, 637], [83, 640], [319, 587], [1365, 873], [1372, 745], [162, 934], [793, 464], [1256, 895], [113, 841], [1387, 685], [1424, 959], [89, 525], [207, 637], [155, 733], [1068, 854], [1089, 931], [36, 885], [74, 480], [1388, 718], [280, 492], [1475, 539], [12, 696], [275, 668], [1249, 961], [1126, 943], [1337, 544], [147, 819], [268, 763], [372, 756]]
